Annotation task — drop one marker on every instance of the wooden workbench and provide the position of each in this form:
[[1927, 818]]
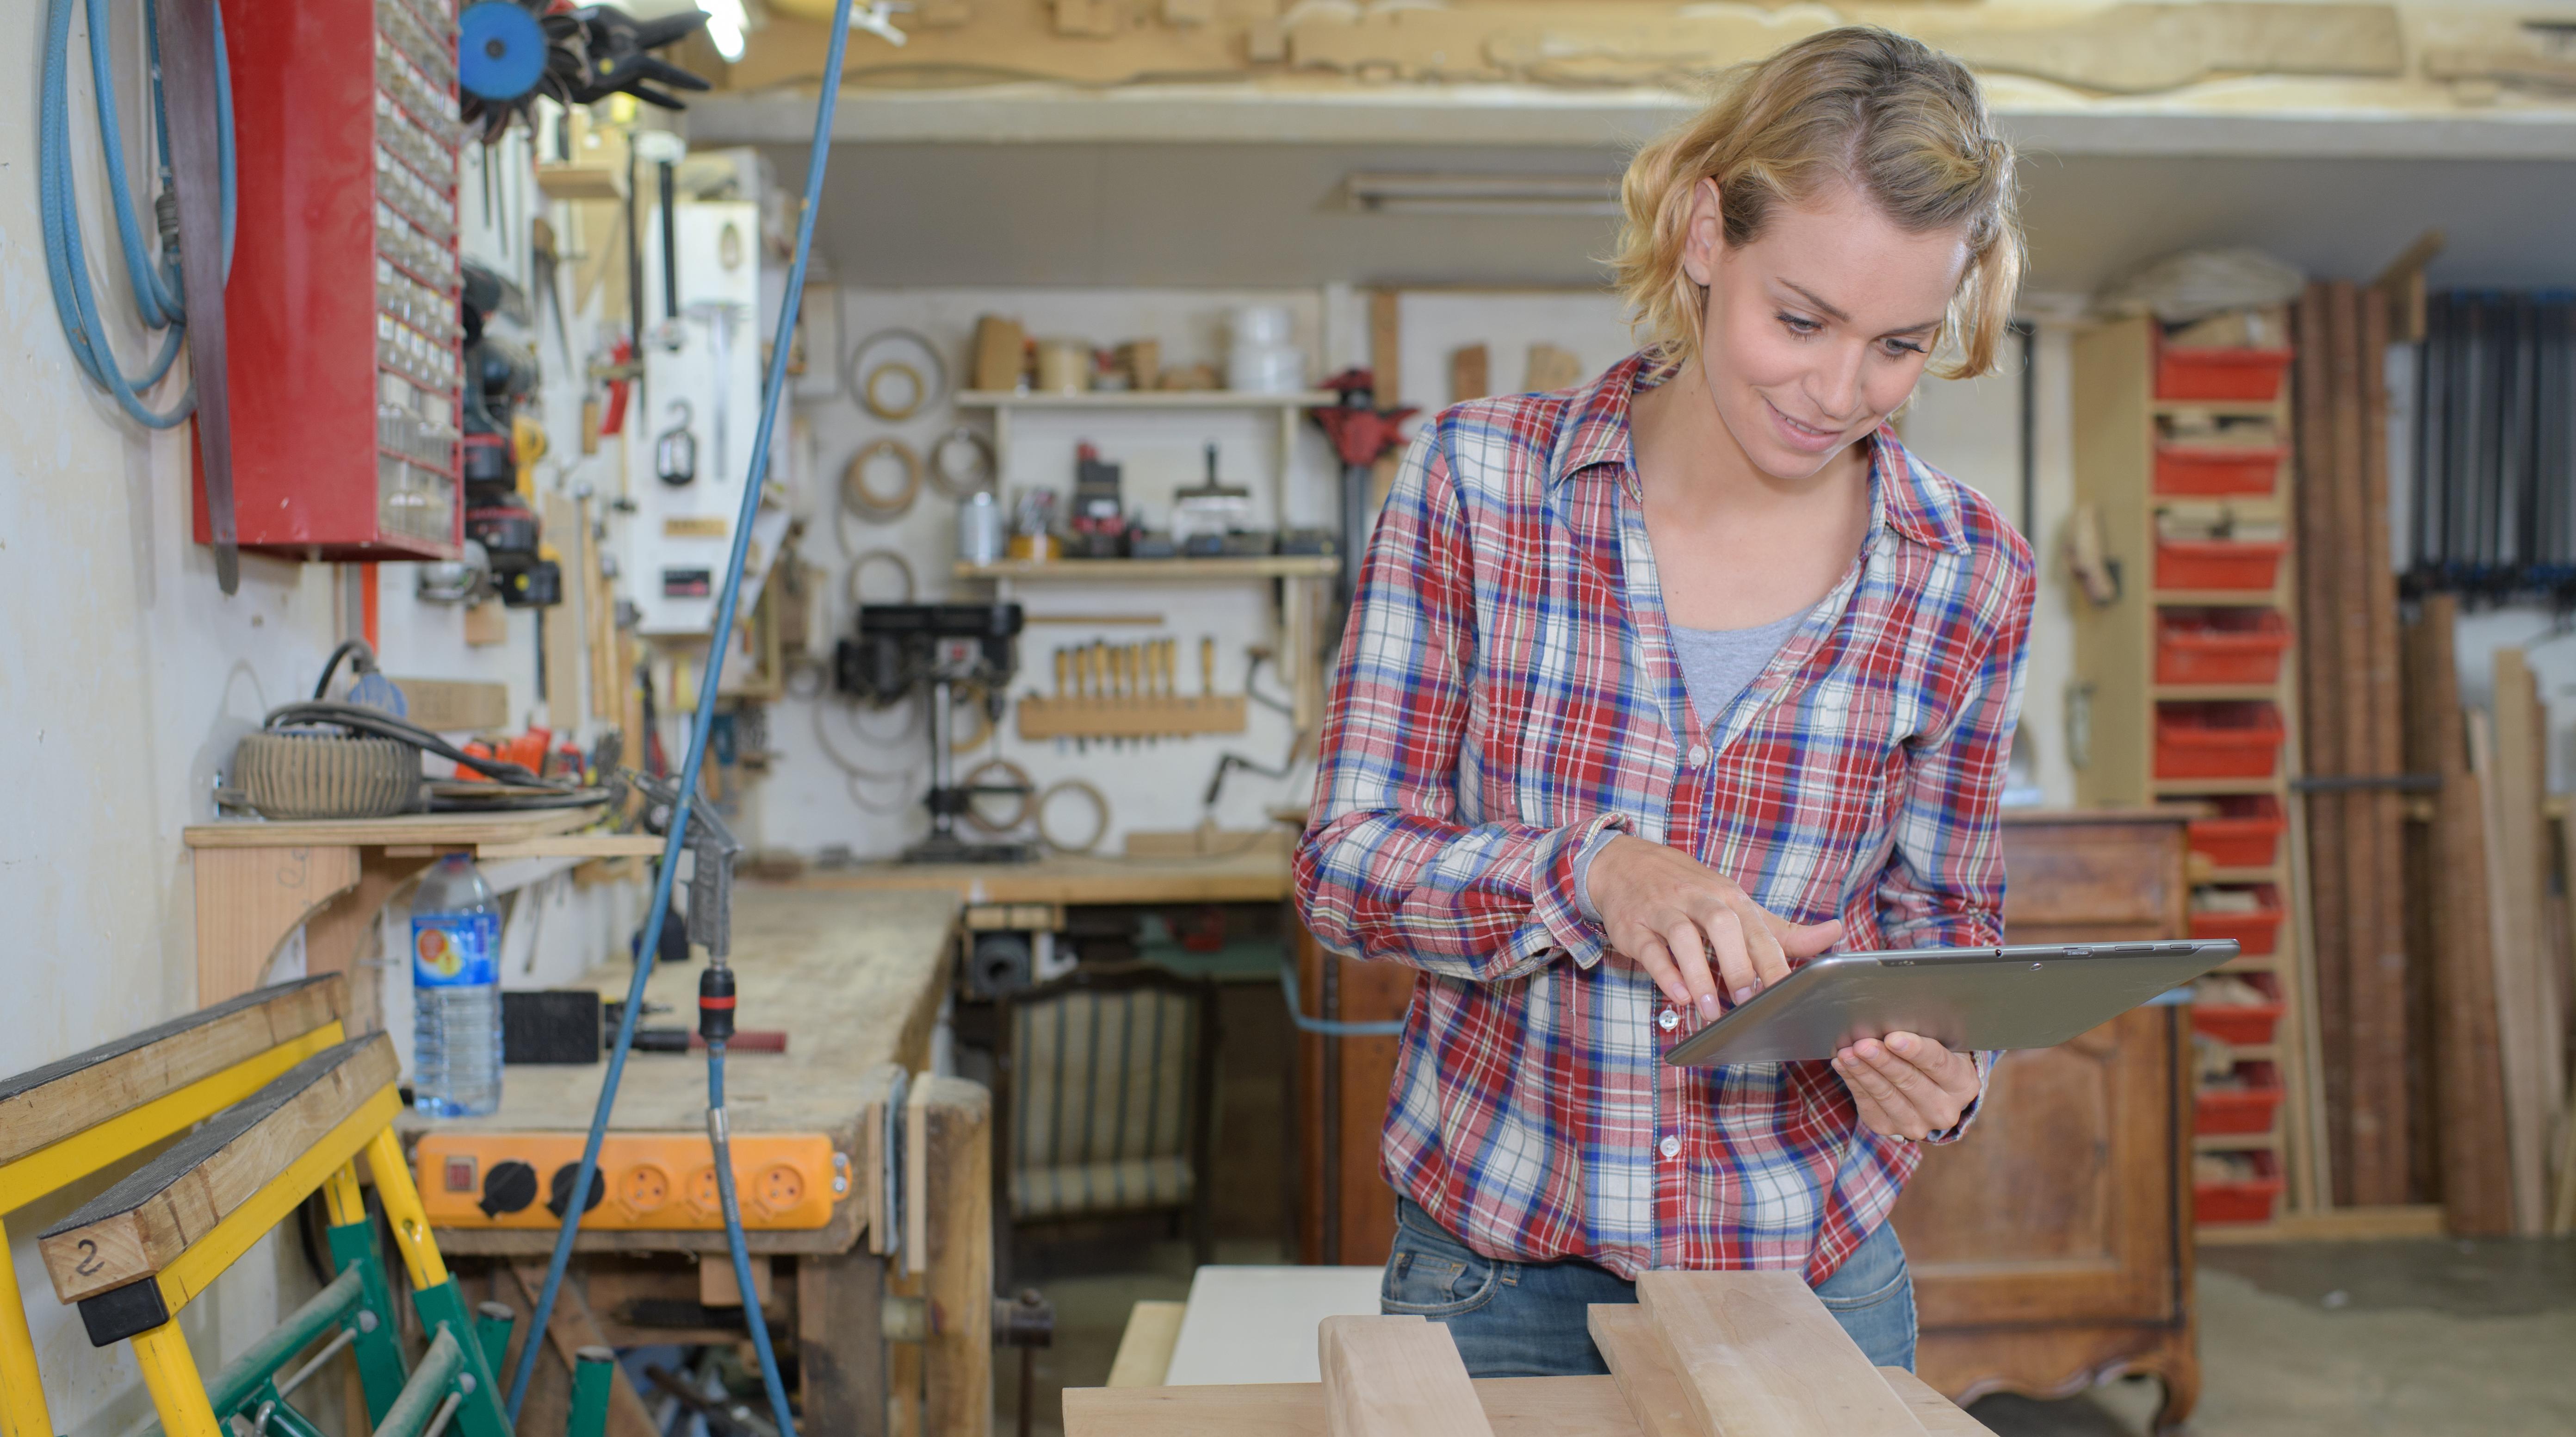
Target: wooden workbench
[[1258, 874], [855, 980]]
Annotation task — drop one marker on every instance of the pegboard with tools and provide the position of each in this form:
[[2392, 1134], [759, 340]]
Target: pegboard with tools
[[1129, 692]]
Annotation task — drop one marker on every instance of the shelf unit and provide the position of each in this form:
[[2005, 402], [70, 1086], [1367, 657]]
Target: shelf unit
[[2115, 452], [1290, 409]]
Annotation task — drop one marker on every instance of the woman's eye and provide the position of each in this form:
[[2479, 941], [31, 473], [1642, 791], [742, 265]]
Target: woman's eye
[[1899, 348], [1799, 324]]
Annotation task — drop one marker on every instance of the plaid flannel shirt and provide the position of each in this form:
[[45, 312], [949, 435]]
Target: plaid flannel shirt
[[1507, 701]]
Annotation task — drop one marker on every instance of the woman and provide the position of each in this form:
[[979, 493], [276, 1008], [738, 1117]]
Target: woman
[[1657, 687]]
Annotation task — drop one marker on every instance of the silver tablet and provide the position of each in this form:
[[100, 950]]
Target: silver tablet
[[2032, 996]]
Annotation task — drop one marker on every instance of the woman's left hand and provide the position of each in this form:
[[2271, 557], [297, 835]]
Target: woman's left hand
[[1907, 1085]]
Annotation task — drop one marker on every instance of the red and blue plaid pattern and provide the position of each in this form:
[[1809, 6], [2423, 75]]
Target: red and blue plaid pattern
[[1507, 696]]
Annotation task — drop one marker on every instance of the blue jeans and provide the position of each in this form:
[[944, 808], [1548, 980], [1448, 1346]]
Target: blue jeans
[[1526, 1319]]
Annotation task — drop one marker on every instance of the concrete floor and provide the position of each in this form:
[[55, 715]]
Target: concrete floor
[[2305, 1340]]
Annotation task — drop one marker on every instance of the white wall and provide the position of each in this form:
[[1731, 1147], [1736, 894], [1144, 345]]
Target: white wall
[[127, 677], [808, 802]]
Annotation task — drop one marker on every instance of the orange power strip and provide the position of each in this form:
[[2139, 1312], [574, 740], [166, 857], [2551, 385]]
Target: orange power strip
[[656, 1181]]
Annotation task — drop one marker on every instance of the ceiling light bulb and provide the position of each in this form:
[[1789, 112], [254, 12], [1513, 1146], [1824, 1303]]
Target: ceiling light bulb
[[725, 25]]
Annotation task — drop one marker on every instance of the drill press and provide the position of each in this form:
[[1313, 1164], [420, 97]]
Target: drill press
[[938, 648]]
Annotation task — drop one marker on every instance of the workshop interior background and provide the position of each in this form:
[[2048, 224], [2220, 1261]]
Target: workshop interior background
[[1123, 198]]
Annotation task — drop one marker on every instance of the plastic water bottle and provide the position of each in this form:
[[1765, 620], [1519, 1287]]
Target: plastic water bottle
[[456, 992]]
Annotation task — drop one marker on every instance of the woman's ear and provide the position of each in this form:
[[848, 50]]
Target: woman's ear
[[1703, 234]]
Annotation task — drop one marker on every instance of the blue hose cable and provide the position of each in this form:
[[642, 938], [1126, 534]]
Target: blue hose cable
[[773, 388], [158, 296], [720, 1136]]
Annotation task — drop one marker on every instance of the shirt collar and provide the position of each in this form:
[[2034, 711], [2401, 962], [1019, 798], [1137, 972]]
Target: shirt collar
[[1911, 498]]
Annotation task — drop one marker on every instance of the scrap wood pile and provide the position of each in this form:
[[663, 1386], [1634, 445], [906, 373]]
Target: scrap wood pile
[[1756, 1351], [2437, 872]]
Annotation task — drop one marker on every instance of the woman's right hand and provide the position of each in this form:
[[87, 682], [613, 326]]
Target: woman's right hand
[[1673, 915]]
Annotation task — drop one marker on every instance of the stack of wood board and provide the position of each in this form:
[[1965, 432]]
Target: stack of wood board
[[1701, 1354], [2350, 738], [2449, 928], [2507, 748]]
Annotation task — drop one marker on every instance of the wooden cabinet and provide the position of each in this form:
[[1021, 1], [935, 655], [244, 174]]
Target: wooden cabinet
[[2052, 1247]]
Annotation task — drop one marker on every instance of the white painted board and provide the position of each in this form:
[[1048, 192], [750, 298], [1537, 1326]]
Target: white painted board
[[1257, 1324]]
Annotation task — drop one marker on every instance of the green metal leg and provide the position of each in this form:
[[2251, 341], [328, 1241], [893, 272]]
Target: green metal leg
[[379, 1347], [492, 1322], [591, 1377], [480, 1415]]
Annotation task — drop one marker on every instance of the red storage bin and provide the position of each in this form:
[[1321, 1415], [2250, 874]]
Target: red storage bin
[[2256, 933], [2250, 1200], [2245, 834], [2242, 1024], [2185, 372], [2247, 1109], [2232, 564], [2219, 646], [2220, 740], [2205, 469]]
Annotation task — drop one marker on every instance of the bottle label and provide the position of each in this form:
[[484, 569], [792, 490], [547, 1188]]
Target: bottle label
[[455, 950]]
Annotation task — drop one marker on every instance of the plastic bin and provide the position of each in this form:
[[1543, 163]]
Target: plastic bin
[[2248, 565], [2188, 372], [2245, 834], [2242, 1024], [2250, 1200], [2220, 646], [2217, 740], [2207, 469], [2247, 1109], [2257, 934]]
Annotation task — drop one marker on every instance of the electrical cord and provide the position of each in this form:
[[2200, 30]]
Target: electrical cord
[[860, 561], [773, 389], [519, 786], [1099, 808], [158, 295], [863, 390], [945, 480], [855, 776], [875, 505]]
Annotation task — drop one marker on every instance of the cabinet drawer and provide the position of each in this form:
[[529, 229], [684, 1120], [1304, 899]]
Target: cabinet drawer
[[2107, 878]]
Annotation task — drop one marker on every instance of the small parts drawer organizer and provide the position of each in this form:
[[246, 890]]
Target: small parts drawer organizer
[[655, 1181]]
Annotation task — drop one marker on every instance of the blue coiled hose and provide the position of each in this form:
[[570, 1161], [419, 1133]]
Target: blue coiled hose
[[773, 388], [158, 296]]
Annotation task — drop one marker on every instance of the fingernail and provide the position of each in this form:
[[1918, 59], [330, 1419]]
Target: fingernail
[[1901, 1043], [1708, 1005], [1743, 993]]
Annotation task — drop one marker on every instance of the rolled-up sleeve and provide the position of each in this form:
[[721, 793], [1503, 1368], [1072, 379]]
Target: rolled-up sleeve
[[1385, 870]]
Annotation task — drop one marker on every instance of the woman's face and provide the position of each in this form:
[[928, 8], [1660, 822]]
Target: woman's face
[[1818, 329]]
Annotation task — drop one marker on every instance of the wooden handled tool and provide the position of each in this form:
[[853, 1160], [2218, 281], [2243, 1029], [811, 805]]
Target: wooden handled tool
[[1207, 665]]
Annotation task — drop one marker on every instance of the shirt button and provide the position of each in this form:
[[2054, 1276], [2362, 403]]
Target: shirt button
[[1670, 1147], [1698, 756], [1670, 1020]]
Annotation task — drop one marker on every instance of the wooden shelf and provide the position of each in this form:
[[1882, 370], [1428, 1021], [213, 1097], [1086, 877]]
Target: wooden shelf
[[2191, 787], [2225, 408], [2235, 1142], [2218, 598], [2252, 963], [1138, 571], [454, 830], [1148, 399], [2268, 873], [2203, 693]]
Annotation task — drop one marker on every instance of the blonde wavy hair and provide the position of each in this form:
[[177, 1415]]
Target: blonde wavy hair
[[1899, 121]]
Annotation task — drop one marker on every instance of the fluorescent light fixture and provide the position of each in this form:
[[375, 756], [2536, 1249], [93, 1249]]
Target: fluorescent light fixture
[[1560, 196], [725, 24]]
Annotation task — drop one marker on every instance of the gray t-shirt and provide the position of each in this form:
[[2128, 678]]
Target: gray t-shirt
[[1716, 665]]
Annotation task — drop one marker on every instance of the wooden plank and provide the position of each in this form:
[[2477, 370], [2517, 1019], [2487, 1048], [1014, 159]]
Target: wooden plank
[[840, 1340], [2512, 790], [142, 1224], [1656, 1396], [44, 1105], [575, 845], [2114, 641], [1758, 1353], [456, 705], [566, 643], [1515, 1406], [461, 830], [1395, 1377], [1145, 1347], [2321, 709], [1468, 373], [569, 1329], [956, 1152], [2468, 1079], [1939, 1415]]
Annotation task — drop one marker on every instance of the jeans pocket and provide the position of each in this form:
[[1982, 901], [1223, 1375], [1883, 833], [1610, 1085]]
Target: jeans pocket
[[1877, 1293], [1434, 1279]]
